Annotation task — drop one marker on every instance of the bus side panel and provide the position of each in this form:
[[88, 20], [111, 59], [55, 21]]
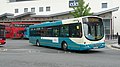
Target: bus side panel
[[33, 40], [71, 44], [26, 33], [50, 41], [77, 44], [8, 31], [45, 41], [57, 42]]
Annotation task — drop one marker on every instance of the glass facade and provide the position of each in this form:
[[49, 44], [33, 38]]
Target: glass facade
[[107, 26]]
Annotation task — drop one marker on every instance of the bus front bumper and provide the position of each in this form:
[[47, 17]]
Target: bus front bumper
[[88, 46], [93, 46]]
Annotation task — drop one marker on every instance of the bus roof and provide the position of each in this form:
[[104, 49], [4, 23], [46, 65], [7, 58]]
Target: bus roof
[[47, 24], [68, 21], [55, 23]]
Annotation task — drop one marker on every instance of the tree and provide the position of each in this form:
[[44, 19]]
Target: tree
[[81, 9]]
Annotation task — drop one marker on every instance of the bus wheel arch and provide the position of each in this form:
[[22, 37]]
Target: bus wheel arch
[[64, 45], [37, 42]]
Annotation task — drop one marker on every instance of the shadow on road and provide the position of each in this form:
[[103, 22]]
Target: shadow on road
[[87, 52], [46, 49]]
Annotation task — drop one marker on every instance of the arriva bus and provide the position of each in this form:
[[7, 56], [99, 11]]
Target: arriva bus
[[2, 35], [82, 33], [26, 33]]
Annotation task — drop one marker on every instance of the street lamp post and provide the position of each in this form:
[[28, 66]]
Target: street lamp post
[[113, 21]]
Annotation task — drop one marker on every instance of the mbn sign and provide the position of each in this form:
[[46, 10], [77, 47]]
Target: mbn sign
[[73, 3]]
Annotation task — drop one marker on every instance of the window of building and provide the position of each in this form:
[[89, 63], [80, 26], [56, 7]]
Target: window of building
[[40, 9], [48, 8], [18, 0], [104, 5], [25, 9], [32, 9], [16, 10], [23, 0], [107, 26]]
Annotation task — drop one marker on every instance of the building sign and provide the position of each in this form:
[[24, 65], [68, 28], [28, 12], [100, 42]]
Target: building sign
[[73, 3]]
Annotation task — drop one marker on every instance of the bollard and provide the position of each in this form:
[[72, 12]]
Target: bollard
[[118, 39]]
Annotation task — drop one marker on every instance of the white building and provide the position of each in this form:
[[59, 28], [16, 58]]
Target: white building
[[48, 7]]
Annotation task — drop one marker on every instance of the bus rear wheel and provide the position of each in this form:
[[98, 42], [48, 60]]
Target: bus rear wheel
[[37, 43], [64, 46]]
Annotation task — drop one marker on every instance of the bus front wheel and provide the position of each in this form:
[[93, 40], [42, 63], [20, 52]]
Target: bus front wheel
[[64, 46]]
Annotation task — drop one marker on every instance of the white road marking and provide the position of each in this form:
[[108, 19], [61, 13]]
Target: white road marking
[[2, 50]]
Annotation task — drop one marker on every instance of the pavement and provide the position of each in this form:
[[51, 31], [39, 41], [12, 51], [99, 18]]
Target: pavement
[[115, 46], [113, 43]]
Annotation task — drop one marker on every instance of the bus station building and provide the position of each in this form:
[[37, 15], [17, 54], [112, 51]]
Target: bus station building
[[52, 10]]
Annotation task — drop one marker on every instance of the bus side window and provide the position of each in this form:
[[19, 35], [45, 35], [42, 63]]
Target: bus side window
[[76, 30], [42, 31], [56, 31], [38, 31], [49, 31], [31, 31], [64, 31]]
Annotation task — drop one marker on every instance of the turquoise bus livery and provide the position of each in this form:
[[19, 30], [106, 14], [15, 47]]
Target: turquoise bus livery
[[26, 33], [83, 33]]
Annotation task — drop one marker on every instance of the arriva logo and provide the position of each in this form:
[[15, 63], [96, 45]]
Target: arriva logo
[[73, 3]]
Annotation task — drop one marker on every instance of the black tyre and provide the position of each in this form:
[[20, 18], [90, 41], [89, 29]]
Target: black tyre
[[64, 46], [37, 43]]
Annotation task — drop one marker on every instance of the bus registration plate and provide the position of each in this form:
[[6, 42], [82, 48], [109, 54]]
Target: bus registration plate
[[95, 45]]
